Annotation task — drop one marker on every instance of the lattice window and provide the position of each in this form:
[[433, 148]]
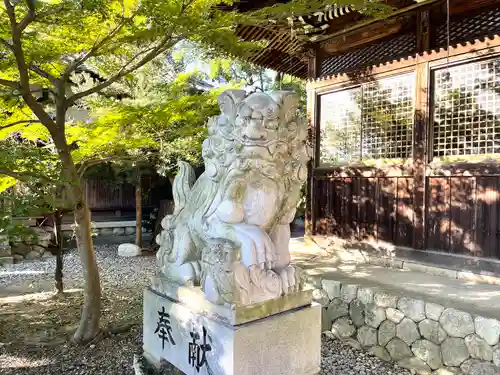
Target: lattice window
[[388, 49], [373, 121], [467, 109]]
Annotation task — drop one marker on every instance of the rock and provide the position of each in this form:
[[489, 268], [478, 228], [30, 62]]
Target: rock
[[457, 323], [365, 295], [432, 331], [374, 315], [479, 348], [348, 292], [129, 250], [415, 364], [398, 349], [412, 308], [394, 315], [454, 351], [496, 356], [380, 352], [130, 231], [6, 260], [47, 255], [386, 332], [407, 331], [385, 300], [320, 296], [447, 371], [487, 329], [367, 336], [428, 352], [476, 367], [342, 328], [337, 309], [106, 232], [433, 311], [32, 255], [357, 312], [21, 249], [332, 288], [17, 258], [39, 249], [353, 343], [118, 231]]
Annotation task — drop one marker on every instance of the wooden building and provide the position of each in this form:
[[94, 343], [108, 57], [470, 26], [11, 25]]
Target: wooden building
[[405, 122]]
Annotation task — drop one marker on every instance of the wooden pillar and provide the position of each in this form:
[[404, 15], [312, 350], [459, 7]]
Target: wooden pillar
[[420, 154], [423, 31]]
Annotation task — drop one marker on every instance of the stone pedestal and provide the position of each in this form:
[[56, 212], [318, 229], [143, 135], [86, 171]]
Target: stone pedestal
[[200, 338]]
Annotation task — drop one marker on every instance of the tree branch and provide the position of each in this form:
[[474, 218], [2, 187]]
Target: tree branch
[[155, 51], [29, 122], [22, 176], [43, 73], [75, 64], [12, 84]]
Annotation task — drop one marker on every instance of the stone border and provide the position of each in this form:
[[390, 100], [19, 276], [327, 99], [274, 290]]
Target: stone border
[[421, 336]]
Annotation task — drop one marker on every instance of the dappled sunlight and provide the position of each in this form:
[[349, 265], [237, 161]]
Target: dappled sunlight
[[20, 273], [42, 296], [15, 361]]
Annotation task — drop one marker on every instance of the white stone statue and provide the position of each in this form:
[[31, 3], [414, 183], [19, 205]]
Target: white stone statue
[[230, 229]]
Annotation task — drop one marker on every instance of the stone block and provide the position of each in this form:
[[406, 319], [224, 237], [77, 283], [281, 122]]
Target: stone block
[[433, 310], [385, 300], [478, 348], [432, 331], [130, 231], [416, 365], [17, 258], [320, 296], [106, 232], [32, 255], [332, 288], [386, 332], [487, 329], [365, 295], [129, 250], [337, 309], [348, 292], [428, 352], [407, 331], [447, 371], [367, 336], [454, 351], [380, 352], [118, 231], [374, 315], [39, 249], [412, 308], [287, 343], [6, 260], [353, 343], [476, 367], [357, 312], [398, 349], [457, 323], [394, 315], [326, 323], [21, 249], [343, 328]]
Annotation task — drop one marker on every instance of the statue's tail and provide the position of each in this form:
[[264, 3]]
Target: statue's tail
[[183, 183]]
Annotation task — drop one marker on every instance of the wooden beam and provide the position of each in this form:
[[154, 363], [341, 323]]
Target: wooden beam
[[369, 34]]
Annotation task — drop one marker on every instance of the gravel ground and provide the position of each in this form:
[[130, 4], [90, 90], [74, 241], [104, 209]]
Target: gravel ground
[[42, 351]]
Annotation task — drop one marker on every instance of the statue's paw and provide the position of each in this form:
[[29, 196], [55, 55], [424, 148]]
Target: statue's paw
[[291, 278], [256, 246]]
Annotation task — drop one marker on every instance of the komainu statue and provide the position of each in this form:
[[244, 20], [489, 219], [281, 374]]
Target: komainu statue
[[230, 229]]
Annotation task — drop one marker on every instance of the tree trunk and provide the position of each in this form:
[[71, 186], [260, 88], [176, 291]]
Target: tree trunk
[[91, 312], [59, 256], [89, 322], [138, 211]]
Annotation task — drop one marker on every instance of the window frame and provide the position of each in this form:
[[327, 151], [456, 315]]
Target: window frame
[[349, 84]]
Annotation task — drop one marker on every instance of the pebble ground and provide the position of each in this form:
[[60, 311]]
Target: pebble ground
[[114, 354]]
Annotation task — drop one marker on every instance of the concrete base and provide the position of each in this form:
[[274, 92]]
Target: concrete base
[[284, 344]]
